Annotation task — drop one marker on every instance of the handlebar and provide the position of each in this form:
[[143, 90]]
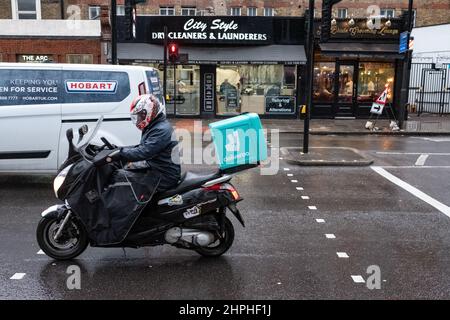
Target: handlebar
[[106, 142]]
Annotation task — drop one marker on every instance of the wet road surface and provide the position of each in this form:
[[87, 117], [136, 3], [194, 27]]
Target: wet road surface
[[311, 233]]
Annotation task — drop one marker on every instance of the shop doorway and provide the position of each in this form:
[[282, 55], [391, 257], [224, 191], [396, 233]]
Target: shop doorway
[[346, 88]]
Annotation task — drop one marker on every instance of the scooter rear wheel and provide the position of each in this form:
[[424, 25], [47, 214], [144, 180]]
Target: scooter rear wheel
[[72, 242], [222, 245]]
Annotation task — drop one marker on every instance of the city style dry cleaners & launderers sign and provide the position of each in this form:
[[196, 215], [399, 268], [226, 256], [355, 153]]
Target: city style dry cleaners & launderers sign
[[211, 30]]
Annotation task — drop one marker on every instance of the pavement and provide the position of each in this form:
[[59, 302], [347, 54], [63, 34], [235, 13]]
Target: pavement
[[377, 232], [424, 125]]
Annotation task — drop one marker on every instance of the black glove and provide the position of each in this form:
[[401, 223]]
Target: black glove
[[115, 155]]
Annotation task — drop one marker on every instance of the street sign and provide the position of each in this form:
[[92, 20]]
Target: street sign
[[377, 108], [378, 105], [404, 42]]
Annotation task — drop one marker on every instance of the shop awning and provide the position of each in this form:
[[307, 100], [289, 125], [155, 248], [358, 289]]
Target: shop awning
[[360, 50], [272, 54]]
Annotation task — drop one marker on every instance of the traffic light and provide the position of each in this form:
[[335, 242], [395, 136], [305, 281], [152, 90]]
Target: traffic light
[[173, 53], [327, 9], [130, 18]]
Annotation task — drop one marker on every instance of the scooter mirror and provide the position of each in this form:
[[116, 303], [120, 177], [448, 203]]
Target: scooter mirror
[[83, 130]]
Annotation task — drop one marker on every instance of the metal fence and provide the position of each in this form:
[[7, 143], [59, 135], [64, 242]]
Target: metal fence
[[429, 87]]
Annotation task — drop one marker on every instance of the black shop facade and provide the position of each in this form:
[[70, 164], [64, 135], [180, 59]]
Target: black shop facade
[[231, 65]]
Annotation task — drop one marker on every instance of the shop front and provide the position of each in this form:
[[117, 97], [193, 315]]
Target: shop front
[[232, 65], [229, 65], [355, 67]]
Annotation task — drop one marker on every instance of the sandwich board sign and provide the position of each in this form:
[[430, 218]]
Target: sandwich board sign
[[378, 105]]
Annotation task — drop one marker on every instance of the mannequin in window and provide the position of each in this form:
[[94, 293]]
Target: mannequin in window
[[371, 88]]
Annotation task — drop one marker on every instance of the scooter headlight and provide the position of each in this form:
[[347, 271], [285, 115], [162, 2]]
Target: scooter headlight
[[60, 178]]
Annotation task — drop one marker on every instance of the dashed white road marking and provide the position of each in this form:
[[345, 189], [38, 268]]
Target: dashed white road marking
[[299, 188], [320, 220], [421, 160], [18, 276], [358, 279], [312, 207], [305, 197], [40, 252], [343, 255], [287, 169], [330, 236], [290, 175], [294, 181], [414, 191]]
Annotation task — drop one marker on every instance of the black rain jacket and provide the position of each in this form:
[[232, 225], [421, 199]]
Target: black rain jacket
[[159, 150]]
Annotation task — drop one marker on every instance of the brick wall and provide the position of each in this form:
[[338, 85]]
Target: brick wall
[[429, 12], [10, 48]]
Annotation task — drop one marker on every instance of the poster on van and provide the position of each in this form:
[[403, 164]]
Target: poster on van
[[18, 87], [29, 87]]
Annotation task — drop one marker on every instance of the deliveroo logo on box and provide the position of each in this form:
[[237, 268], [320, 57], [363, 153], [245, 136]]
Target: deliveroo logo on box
[[235, 148], [233, 144]]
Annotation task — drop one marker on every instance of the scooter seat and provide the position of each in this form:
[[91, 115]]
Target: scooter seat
[[189, 180]]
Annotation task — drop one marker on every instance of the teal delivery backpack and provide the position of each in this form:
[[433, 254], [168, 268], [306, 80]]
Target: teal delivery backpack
[[239, 141]]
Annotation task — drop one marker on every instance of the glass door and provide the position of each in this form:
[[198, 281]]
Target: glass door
[[186, 100], [346, 89]]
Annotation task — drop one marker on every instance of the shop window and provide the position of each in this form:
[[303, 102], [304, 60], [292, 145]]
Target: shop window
[[235, 11], [342, 13], [263, 89], [252, 11], [269, 12], [94, 12], [373, 78], [388, 13], [80, 58], [166, 11], [188, 11], [324, 75], [26, 9]]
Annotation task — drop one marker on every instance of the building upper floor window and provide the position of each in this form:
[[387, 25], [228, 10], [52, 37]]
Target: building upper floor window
[[268, 12], [235, 11], [166, 11], [188, 11], [26, 9], [388, 13], [120, 10], [94, 12], [252, 11], [342, 13], [80, 58]]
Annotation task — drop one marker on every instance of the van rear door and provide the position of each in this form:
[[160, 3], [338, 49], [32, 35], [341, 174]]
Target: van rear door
[[30, 117]]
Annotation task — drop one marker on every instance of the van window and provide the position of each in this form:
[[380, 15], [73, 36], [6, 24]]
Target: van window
[[25, 87], [153, 83], [95, 86]]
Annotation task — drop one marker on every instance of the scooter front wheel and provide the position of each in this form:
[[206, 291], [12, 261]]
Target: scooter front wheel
[[222, 244], [72, 241]]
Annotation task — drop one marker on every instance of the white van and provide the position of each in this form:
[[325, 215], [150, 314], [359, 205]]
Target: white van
[[39, 102]]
